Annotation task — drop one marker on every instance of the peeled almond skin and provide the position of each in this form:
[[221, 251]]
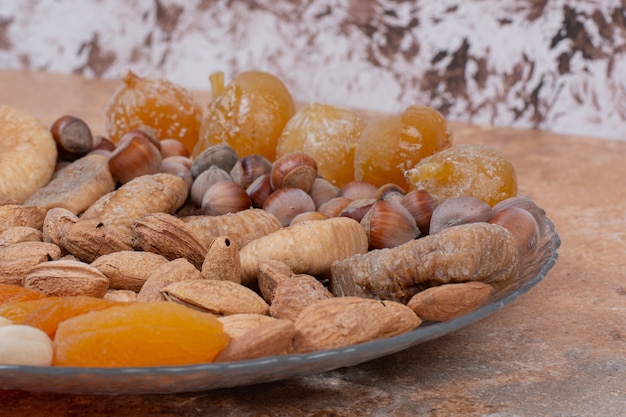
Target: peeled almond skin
[[28, 154], [24, 345]]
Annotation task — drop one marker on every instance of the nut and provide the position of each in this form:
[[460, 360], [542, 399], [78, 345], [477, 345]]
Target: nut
[[286, 203], [359, 190], [388, 225], [322, 190], [124, 296], [18, 259], [128, 270], [527, 204], [268, 339], [172, 166], [459, 210], [522, 224], [449, 301], [308, 216], [357, 209], [135, 155], [421, 206], [220, 155], [401, 319], [294, 170], [222, 261], [259, 190], [173, 147], [334, 206], [249, 168], [225, 197], [205, 180], [236, 325], [56, 225], [173, 271], [19, 234], [271, 273], [168, 236], [12, 215], [64, 278], [338, 322], [294, 294], [89, 239], [24, 345], [72, 136], [217, 297]]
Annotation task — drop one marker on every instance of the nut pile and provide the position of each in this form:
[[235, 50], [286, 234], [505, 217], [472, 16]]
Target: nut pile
[[280, 258]]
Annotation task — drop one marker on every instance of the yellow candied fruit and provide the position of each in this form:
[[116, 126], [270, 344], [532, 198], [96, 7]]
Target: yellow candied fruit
[[479, 171], [329, 134], [248, 114], [170, 110], [391, 145]]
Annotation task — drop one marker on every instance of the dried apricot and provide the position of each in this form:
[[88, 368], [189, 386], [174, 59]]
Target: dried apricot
[[13, 293], [140, 334], [170, 110], [18, 310], [249, 115], [53, 311], [329, 134], [479, 171], [391, 145]]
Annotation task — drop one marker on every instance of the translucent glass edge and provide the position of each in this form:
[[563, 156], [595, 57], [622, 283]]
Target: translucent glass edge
[[352, 355]]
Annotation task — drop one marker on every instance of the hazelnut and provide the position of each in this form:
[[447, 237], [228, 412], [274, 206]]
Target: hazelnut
[[421, 205], [72, 136], [286, 203], [173, 147], [205, 180], [294, 170], [459, 210], [221, 155], [134, 157], [259, 190], [359, 190], [322, 190], [522, 224], [249, 168], [225, 197], [389, 224], [334, 206]]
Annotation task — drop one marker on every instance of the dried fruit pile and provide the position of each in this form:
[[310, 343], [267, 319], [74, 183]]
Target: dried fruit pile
[[249, 231]]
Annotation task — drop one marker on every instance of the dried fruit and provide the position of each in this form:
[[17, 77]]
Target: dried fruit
[[329, 134], [307, 248], [470, 252], [249, 114], [54, 310], [479, 171], [140, 334], [391, 145], [170, 110], [28, 154], [15, 293]]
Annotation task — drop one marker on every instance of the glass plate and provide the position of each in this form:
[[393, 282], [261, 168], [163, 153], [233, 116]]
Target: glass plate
[[171, 379]]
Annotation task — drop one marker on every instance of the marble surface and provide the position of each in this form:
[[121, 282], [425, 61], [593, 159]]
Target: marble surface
[[556, 65], [559, 350]]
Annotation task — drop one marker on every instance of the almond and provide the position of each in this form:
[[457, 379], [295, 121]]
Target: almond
[[67, 278], [18, 259], [128, 270], [294, 294], [217, 297], [448, 301], [12, 215], [173, 271], [268, 339]]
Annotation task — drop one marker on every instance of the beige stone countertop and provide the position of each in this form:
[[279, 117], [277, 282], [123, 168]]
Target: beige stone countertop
[[559, 350]]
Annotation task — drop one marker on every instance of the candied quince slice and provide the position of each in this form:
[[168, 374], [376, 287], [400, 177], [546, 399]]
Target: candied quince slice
[[140, 334], [50, 313], [170, 110], [329, 134], [249, 115], [14, 293], [392, 144], [479, 171]]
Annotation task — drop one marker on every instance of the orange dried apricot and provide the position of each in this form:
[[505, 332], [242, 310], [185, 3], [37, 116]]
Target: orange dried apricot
[[13, 293], [140, 334], [249, 114], [18, 310], [170, 110], [53, 311], [329, 134], [479, 171], [392, 144]]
